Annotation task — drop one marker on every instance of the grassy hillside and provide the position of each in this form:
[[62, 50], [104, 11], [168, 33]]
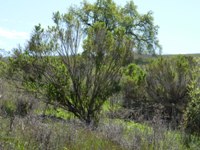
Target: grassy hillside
[[27, 123]]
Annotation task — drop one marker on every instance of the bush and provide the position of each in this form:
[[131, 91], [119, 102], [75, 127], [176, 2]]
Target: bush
[[192, 113], [133, 83], [14, 101], [134, 94], [3, 67], [167, 84], [7, 108], [23, 107]]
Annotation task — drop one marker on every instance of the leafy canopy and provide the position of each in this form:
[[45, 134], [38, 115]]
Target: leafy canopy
[[139, 27]]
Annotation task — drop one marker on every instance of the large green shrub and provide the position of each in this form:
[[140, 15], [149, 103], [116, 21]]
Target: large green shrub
[[78, 83], [82, 84], [167, 84], [133, 83], [192, 113], [134, 98]]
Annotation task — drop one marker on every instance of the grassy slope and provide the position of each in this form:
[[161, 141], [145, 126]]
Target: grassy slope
[[34, 133]]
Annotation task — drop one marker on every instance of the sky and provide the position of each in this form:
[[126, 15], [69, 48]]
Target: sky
[[178, 21]]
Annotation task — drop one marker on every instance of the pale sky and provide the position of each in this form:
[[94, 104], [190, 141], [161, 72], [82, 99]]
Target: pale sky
[[179, 21]]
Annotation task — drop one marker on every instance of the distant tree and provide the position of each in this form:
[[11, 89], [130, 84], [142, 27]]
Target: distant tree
[[139, 27], [80, 81]]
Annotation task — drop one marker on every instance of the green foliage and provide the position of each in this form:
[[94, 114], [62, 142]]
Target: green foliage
[[167, 84], [11, 108], [3, 68], [31, 69], [139, 27], [133, 86], [135, 73], [57, 113], [192, 118], [192, 113], [8, 108]]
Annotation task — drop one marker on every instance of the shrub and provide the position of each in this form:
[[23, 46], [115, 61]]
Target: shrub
[[133, 86], [3, 67], [167, 84], [192, 113], [7, 108], [134, 94], [23, 107]]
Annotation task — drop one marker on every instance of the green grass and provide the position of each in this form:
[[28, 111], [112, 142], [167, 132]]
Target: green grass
[[59, 113], [107, 106]]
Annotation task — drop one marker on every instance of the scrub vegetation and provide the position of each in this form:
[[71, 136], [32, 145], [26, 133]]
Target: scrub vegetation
[[96, 79]]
